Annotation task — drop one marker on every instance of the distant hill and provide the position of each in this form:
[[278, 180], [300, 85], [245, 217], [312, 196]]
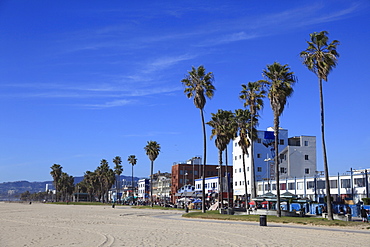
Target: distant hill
[[12, 190]]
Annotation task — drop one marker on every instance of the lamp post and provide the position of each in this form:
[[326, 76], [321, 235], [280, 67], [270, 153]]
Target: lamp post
[[185, 191]]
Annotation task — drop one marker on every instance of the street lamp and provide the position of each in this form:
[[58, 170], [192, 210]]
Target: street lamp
[[185, 191]]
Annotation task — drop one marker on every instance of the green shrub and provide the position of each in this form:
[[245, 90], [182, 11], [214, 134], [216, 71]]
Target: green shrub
[[366, 201]]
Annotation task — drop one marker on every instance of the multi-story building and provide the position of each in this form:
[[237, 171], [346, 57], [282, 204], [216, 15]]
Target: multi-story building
[[143, 190], [161, 186], [297, 157], [185, 173]]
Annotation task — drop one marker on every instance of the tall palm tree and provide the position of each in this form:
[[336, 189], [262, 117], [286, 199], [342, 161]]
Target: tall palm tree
[[132, 160], [280, 82], [320, 58], [152, 150], [118, 171], [106, 178], [221, 122], [56, 173], [243, 122], [198, 85], [253, 95]]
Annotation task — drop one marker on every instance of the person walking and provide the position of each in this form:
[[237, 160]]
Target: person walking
[[364, 214]]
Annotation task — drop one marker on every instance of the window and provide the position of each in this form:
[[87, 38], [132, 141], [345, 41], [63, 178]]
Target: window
[[291, 186], [259, 140], [236, 144], [306, 143], [333, 184], [259, 187], [281, 141], [283, 170], [240, 169], [258, 155], [360, 182], [240, 183], [195, 172], [240, 157], [299, 185], [345, 183], [282, 157], [307, 171], [273, 186], [267, 186], [248, 182], [236, 170], [181, 181], [181, 172], [236, 157], [247, 168], [259, 169], [320, 184], [306, 157], [283, 186], [236, 183], [310, 184]]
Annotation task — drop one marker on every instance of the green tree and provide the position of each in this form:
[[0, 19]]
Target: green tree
[[152, 149], [253, 95], [221, 123], [198, 85], [106, 178], [66, 183], [56, 172], [118, 171], [320, 58], [280, 82], [132, 160]]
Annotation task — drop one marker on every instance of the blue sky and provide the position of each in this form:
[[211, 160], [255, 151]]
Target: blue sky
[[90, 80]]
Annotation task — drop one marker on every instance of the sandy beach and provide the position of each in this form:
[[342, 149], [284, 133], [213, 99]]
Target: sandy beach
[[68, 225]]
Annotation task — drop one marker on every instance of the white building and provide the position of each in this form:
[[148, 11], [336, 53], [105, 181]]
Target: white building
[[297, 159], [350, 187]]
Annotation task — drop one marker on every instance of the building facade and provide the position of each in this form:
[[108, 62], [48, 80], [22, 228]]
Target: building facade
[[263, 160], [348, 188], [297, 157], [186, 173]]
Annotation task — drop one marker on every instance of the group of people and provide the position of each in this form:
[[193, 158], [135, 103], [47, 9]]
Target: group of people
[[364, 214]]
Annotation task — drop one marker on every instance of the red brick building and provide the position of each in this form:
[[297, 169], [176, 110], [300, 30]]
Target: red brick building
[[186, 173]]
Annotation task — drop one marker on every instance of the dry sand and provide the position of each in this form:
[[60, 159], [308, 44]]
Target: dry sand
[[69, 225]]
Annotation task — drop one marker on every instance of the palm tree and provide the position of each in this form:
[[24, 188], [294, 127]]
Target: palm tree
[[320, 58], [280, 82], [56, 173], [221, 124], [198, 85], [253, 95], [118, 171], [106, 178], [243, 122], [132, 160], [152, 150]]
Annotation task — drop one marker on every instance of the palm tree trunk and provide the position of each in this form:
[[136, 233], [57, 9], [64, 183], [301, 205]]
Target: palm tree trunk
[[253, 177], [220, 201], [132, 185], [151, 183], [227, 180], [276, 144], [245, 183], [326, 168], [204, 163]]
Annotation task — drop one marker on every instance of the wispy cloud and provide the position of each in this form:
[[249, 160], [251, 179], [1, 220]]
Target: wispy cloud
[[110, 104]]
